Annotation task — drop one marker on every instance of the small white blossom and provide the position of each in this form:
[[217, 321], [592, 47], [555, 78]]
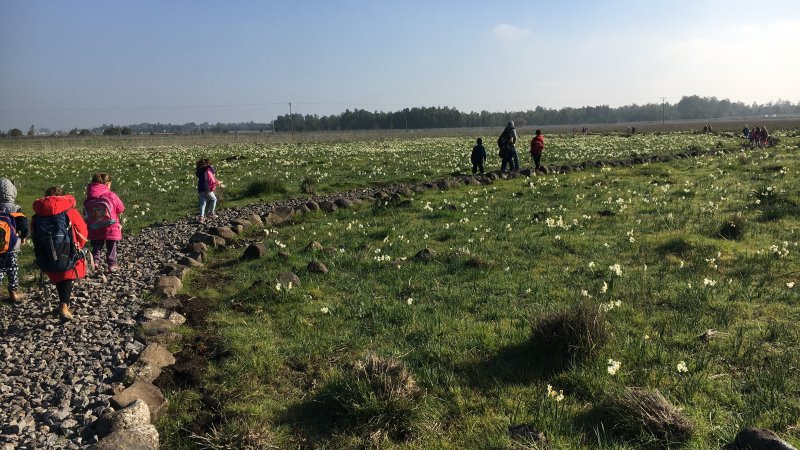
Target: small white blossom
[[613, 366], [682, 367]]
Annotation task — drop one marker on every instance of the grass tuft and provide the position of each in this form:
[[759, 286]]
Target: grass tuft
[[733, 229], [376, 398], [264, 187], [308, 186], [648, 418], [573, 334]]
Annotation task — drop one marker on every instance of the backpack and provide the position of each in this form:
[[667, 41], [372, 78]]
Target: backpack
[[8, 233], [98, 213], [210, 180], [54, 243]]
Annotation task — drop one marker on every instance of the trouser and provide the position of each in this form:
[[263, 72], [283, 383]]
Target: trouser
[[207, 198], [537, 160], [64, 289], [111, 251], [514, 160], [9, 266], [476, 166]]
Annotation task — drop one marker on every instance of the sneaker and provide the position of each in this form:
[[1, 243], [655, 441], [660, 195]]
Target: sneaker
[[64, 312], [202, 219], [15, 296]]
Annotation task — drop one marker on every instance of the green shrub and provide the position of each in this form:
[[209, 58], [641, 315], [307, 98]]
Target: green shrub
[[264, 187]]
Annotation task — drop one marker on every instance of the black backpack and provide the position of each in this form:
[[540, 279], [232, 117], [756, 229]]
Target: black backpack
[[54, 244]]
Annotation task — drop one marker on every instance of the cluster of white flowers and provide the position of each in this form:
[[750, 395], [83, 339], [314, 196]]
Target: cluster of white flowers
[[555, 395], [616, 269], [780, 251], [606, 307], [279, 287], [709, 282], [613, 366], [682, 367]]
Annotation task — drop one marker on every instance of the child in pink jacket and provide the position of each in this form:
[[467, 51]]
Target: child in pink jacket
[[101, 209]]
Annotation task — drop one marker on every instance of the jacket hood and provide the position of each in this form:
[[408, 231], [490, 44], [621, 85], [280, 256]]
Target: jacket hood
[[94, 190], [53, 204], [8, 192]]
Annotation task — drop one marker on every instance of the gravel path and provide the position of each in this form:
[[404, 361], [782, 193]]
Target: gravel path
[[57, 379]]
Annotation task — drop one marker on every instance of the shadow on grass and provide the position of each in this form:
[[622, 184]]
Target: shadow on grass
[[521, 363]]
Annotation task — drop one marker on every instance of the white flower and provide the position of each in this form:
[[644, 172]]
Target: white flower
[[591, 264], [410, 300], [790, 284], [324, 310], [278, 286], [604, 288], [613, 366], [585, 293], [709, 282], [616, 269], [682, 367]]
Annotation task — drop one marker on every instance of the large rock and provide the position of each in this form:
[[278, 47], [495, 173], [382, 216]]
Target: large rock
[[328, 206], [142, 370], [175, 270], [312, 205], [425, 255], [289, 277], [150, 394], [189, 262], [208, 239], [141, 438], [133, 416], [223, 232], [759, 439], [168, 286], [314, 245], [157, 326], [273, 219], [255, 250], [245, 223], [316, 267], [255, 219], [155, 313], [284, 212], [157, 355], [342, 202]]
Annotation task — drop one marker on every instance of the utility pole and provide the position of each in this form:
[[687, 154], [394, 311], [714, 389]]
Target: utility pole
[[663, 110], [291, 121]]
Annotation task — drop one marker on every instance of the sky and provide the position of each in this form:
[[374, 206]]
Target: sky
[[82, 64]]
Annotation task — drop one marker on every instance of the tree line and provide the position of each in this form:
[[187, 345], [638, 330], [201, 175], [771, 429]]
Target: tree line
[[689, 107]]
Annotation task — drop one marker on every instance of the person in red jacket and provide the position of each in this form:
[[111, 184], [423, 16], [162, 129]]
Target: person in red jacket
[[101, 209], [537, 147], [53, 203]]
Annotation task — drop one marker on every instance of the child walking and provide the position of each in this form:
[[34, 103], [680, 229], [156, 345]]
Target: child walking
[[101, 209], [207, 183], [13, 232], [59, 233], [478, 157], [537, 147]]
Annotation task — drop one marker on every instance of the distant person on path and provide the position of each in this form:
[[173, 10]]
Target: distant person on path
[[59, 235], [633, 130], [764, 136], [537, 147], [508, 150], [101, 209], [207, 183], [746, 132], [478, 157], [14, 229]]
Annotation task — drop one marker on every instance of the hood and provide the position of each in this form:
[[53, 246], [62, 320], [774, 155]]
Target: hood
[[94, 190], [8, 192], [53, 204]]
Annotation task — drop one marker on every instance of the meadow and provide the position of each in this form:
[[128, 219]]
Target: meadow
[[546, 303]]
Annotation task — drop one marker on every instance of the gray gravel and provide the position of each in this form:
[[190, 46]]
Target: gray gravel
[[57, 379]]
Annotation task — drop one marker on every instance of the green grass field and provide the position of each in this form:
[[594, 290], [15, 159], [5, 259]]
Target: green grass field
[[542, 301]]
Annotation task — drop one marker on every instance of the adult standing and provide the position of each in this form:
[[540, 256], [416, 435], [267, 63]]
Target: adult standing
[[508, 150], [537, 147], [478, 157]]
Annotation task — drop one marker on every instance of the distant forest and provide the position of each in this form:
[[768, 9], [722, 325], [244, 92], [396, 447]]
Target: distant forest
[[689, 107]]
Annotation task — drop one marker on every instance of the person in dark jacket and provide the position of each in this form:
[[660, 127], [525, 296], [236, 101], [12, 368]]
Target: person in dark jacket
[[478, 157], [508, 149], [56, 202], [9, 262]]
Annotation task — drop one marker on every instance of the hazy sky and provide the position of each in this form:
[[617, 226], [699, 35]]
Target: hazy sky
[[80, 63]]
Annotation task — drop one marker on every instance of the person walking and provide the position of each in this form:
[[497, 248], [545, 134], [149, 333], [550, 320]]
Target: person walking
[[537, 147], [59, 235], [101, 209], [478, 157], [14, 229], [207, 183]]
